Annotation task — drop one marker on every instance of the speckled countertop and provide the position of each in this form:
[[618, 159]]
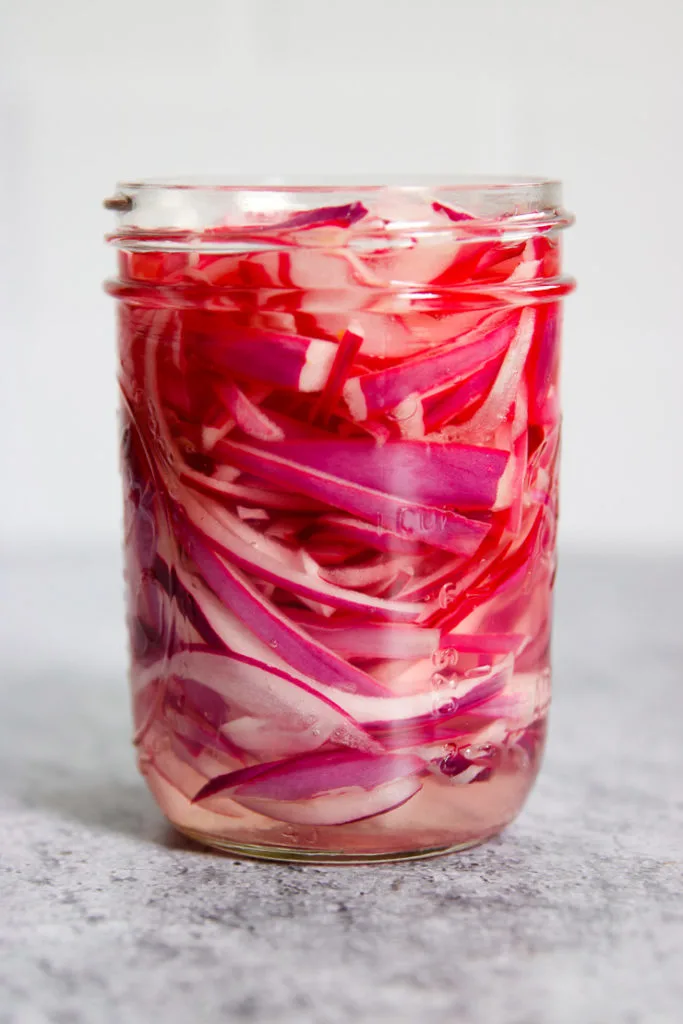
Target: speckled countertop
[[574, 915]]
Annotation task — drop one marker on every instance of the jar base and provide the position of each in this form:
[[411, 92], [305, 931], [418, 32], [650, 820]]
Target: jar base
[[286, 855]]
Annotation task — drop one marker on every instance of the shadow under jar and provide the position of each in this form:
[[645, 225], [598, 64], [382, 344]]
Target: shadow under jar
[[340, 429]]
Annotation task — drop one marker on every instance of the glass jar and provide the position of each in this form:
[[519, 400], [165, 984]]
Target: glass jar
[[340, 429]]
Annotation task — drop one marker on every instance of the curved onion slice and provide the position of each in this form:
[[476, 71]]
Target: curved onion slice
[[264, 619], [385, 389], [271, 561], [281, 703], [322, 789], [440, 527]]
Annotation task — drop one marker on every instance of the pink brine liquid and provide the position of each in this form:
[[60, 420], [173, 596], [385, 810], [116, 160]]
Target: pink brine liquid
[[340, 474]]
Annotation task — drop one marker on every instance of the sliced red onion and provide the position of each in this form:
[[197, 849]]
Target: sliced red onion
[[189, 608], [425, 707], [502, 394], [348, 349], [448, 475], [268, 622], [247, 415], [325, 216], [366, 575], [320, 788], [390, 640], [269, 560], [195, 712], [440, 583], [367, 534], [498, 576], [364, 706], [452, 212], [387, 336], [543, 359], [517, 468], [252, 493], [253, 514], [459, 769], [282, 360], [232, 689], [483, 643], [498, 261], [440, 527], [441, 716], [441, 408], [385, 389], [160, 754]]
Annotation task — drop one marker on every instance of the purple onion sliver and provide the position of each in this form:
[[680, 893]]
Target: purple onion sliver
[[452, 212], [440, 527], [386, 389], [269, 623], [282, 360], [310, 775], [326, 216], [462, 476]]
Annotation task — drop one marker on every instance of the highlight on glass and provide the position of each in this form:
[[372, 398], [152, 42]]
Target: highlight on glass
[[340, 425]]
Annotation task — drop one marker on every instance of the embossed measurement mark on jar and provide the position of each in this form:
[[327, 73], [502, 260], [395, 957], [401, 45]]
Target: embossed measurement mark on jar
[[413, 521]]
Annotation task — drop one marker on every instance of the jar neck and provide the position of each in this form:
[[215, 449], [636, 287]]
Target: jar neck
[[387, 211], [358, 231]]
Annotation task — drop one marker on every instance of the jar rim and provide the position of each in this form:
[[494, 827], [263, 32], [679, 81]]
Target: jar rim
[[342, 183], [360, 219], [197, 203]]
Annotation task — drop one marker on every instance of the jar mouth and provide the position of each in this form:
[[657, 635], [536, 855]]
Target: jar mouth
[[341, 183], [403, 205]]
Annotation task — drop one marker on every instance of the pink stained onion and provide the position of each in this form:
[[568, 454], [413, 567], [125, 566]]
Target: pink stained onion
[[440, 527], [328, 216], [281, 360], [448, 476], [349, 347], [252, 420], [272, 561], [368, 535], [276, 703], [263, 618], [375, 640], [386, 389], [503, 390]]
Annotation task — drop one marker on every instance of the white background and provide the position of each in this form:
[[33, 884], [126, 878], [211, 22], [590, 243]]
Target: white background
[[589, 91]]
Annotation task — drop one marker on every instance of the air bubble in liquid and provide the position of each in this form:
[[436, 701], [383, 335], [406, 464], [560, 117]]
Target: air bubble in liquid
[[448, 707], [445, 657], [479, 752]]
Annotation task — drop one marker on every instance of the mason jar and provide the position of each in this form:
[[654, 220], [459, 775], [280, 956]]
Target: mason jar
[[340, 425]]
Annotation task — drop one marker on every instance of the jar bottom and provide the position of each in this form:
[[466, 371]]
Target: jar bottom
[[286, 855], [441, 819]]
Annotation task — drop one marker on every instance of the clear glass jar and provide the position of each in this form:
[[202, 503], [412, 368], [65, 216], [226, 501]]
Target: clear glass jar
[[340, 431]]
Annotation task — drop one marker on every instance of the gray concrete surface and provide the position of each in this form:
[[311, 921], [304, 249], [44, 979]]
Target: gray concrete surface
[[574, 915]]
